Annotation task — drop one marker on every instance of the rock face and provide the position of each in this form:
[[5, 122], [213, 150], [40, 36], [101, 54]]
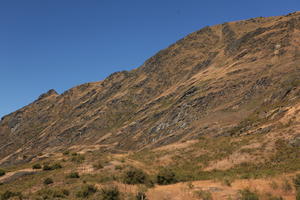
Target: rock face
[[223, 80]]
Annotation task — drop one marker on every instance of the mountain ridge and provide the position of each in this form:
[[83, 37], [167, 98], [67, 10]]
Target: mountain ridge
[[217, 81]]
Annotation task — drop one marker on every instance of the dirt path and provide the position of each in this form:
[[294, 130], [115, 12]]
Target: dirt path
[[12, 176]]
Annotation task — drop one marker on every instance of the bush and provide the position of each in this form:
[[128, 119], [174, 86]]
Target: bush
[[48, 181], [165, 177], [135, 176], [36, 166], [86, 191], [53, 193], [204, 195], [110, 193], [246, 194], [73, 175], [2, 172], [8, 194], [48, 167], [56, 166]]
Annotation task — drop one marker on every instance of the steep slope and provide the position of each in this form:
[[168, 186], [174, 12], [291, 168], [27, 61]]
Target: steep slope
[[231, 79]]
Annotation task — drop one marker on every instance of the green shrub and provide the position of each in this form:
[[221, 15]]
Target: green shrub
[[77, 158], [8, 194], [110, 193], [36, 166], [48, 193], [48, 181], [73, 175], [165, 177], [86, 191], [56, 166], [204, 195], [135, 176], [246, 194], [2, 172], [48, 167]]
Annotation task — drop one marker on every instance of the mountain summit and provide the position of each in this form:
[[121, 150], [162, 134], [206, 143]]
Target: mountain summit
[[228, 80]]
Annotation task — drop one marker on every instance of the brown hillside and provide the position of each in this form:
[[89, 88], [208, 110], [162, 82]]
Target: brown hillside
[[234, 79]]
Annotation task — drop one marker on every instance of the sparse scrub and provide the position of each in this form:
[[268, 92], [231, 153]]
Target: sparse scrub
[[9, 194], [274, 185], [48, 193], [297, 182], [246, 194], [48, 167], [2, 172], [73, 175], [119, 167], [298, 195], [141, 196], [56, 166], [204, 195], [135, 176], [286, 186], [48, 181], [227, 182], [77, 158], [166, 176], [275, 198], [36, 166], [110, 193], [86, 190], [98, 165]]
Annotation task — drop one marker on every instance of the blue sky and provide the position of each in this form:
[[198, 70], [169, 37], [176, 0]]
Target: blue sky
[[58, 44]]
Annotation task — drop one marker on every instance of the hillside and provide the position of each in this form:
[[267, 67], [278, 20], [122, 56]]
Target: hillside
[[224, 99]]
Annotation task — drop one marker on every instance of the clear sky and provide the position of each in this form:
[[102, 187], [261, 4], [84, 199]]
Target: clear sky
[[58, 44]]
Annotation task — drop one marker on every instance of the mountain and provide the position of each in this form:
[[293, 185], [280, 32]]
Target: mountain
[[223, 81]]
